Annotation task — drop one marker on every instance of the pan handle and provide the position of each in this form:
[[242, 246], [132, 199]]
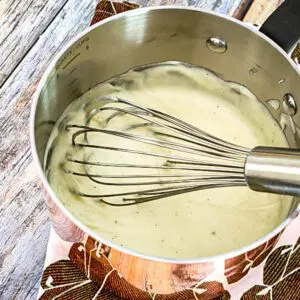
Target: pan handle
[[283, 26]]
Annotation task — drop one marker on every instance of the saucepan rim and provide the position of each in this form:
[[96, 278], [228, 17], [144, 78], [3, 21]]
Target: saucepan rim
[[85, 228]]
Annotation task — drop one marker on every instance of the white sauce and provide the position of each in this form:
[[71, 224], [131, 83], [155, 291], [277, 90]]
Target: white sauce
[[197, 224]]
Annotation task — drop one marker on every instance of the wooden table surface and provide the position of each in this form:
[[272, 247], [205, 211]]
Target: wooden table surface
[[31, 33]]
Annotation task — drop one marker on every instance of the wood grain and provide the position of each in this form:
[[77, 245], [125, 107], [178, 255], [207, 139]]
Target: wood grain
[[23, 218], [260, 10], [240, 11], [35, 16], [25, 52]]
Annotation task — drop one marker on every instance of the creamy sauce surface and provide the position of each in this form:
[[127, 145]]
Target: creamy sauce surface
[[197, 224]]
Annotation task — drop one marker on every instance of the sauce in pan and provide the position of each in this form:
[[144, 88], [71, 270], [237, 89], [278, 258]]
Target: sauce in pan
[[197, 224]]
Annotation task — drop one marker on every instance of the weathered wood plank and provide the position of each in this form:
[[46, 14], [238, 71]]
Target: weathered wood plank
[[240, 11], [23, 217], [35, 16], [220, 6], [4, 5], [260, 10]]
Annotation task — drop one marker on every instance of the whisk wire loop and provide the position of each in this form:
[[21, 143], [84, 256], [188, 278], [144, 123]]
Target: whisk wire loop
[[188, 159]]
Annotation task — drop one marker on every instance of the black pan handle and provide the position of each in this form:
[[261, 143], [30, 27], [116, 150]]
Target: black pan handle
[[283, 26]]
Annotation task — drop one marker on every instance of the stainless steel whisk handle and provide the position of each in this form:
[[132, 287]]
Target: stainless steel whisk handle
[[274, 170]]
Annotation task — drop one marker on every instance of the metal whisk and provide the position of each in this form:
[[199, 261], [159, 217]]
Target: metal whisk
[[183, 158]]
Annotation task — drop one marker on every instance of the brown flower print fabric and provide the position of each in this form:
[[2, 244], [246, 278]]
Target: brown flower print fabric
[[238, 267], [89, 275], [105, 9], [281, 276], [64, 281]]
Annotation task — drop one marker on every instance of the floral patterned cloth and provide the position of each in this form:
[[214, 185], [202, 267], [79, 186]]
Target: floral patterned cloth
[[80, 271], [73, 272]]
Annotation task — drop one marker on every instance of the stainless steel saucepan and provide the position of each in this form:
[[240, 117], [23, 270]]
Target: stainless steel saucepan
[[256, 58]]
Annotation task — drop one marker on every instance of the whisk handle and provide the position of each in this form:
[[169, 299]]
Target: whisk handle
[[274, 170]]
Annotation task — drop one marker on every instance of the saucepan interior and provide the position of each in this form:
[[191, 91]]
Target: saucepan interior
[[155, 35]]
